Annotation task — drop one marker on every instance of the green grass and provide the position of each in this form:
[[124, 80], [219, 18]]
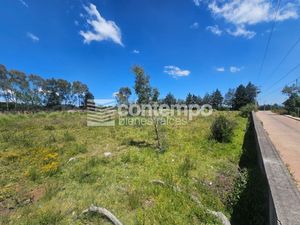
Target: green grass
[[39, 185]]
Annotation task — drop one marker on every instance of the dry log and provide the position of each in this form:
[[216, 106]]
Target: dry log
[[103, 212], [158, 182]]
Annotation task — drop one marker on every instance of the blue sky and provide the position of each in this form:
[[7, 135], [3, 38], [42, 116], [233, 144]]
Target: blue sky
[[184, 45]]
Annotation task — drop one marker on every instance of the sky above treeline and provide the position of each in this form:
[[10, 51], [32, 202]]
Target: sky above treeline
[[184, 45]]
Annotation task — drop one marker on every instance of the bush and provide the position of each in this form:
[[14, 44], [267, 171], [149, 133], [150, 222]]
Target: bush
[[247, 109], [294, 114], [33, 174], [185, 167], [280, 111], [222, 129]]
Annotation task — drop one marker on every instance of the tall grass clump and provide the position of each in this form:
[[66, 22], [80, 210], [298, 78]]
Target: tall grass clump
[[247, 109], [222, 129]]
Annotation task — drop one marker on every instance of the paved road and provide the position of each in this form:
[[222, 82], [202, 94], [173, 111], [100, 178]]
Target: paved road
[[284, 132]]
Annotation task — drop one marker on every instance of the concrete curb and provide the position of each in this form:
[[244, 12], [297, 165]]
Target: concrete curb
[[292, 117], [284, 197]]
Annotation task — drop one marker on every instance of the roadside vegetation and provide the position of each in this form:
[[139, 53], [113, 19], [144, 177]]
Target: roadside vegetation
[[291, 106], [53, 167]]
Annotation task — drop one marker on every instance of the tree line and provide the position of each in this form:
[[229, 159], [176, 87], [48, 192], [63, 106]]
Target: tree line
[[19, 91], [233, 99]]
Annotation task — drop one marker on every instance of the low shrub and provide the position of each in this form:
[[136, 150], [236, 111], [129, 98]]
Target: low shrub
[[33, 174], [134, 199], [294, 114], [185, 167], [68, 137], [280, 111], [49, 127], [247, 109], [239, 187], [222, 129]]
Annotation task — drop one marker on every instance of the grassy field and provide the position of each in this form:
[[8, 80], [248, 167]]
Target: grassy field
[[53, 167]]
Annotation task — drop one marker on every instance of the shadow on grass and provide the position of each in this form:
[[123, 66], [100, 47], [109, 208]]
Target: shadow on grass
[[252, 205], [140, 144]]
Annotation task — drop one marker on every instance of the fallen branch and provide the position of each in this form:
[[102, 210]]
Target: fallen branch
[[103, 212], [158, 182]]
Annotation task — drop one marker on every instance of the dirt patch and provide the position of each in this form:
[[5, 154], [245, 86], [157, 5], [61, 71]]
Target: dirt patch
[[37, 193]]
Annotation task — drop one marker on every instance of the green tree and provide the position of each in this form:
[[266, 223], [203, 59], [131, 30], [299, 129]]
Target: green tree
[[216, 99], [289, 90], [5, 85], [155, 95], [189, 99], [169, 99], [52, 98], [88, 97], [199, 100], [64, 90], [292, 103], [207, 99], [195, 99], [252, 92], [229, 98], [142, 85], [19, 86], [240, 97], [36, 84], [123, 95], [78, 92]]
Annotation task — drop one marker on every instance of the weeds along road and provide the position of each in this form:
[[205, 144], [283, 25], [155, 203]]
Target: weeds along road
[[284, 132]]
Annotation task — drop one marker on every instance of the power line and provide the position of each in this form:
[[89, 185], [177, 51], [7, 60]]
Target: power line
[[271, 92], [269, 40], [284, 76], [277, 89], [285, 57]]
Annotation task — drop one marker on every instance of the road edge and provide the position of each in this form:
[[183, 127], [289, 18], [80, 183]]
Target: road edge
[[284, 196], [292, 117]]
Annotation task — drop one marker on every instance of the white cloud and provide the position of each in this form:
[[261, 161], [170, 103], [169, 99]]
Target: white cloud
[[234, 69], [101, 29], [76, 22], [250, 12], [33, 37], [288, 11], [243, 13], [195, 25], [175, 71], [220, 69], [240, 31], [136, 51], [215, 29], [24, 3], [197, 2]]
